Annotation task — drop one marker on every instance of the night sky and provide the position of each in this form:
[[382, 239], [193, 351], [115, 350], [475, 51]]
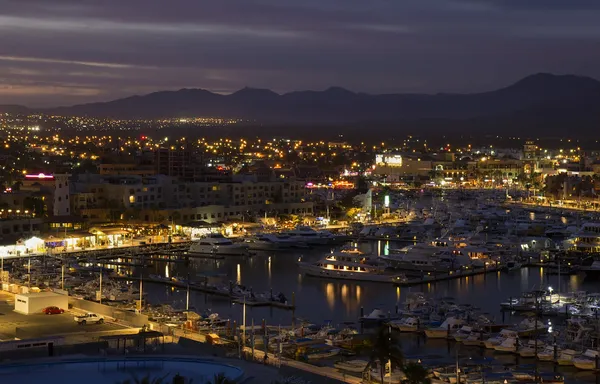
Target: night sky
[[60, 52]]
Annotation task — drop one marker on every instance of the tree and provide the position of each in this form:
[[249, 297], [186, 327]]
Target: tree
[[416, 374], [220, 378], [385, 349], [145, 380]]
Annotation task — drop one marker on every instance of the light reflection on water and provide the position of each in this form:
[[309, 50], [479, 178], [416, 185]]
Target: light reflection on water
[[318, 299]]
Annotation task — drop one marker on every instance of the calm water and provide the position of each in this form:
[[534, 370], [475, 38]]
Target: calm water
[[320, 300]]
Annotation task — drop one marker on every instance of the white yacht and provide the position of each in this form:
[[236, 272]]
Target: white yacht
[[418, 257], [267, 242], [351, 264], [499, 338], [309, 235], [217, 245]]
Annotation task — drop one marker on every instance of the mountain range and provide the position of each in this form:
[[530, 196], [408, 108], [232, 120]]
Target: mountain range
[[533, 101]]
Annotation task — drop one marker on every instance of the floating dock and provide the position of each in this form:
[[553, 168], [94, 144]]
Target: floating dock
[[435, 277], [211, 291]]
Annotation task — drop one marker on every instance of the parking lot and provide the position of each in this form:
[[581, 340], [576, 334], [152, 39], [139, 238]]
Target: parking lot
[[36, 326]]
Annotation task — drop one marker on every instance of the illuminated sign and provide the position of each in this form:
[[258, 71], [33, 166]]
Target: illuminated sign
[[386, 201], [39, 176], [391, 160]]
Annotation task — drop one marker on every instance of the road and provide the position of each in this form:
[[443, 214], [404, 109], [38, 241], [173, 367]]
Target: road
[[37, 326]]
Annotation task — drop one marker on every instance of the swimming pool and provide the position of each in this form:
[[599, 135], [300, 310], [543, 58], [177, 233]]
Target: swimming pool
[[113, 370]]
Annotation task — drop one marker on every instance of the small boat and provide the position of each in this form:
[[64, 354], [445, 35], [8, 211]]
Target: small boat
[[547, 354], [463, 333], [508, 345], [566, 357], [375, 318], [352, 365], [530, 350], [587, 360], [409, 324], [499, 338], [449, 325], [320, 351], [475, 339]]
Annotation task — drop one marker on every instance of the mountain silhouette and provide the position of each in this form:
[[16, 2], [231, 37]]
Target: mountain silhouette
[[533, 101]]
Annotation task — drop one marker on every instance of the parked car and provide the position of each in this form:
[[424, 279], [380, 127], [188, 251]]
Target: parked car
[[53, 311], [89, 318]]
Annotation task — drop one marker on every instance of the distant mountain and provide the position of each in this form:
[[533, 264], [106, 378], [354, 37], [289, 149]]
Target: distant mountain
[[537, 101], [540, 92], [16, 109]]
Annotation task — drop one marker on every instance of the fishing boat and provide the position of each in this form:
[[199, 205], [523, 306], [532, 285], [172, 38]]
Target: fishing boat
[[449, 325], [357, 366]]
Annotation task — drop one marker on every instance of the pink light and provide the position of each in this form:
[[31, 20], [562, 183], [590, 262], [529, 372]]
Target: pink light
[[39, 176]]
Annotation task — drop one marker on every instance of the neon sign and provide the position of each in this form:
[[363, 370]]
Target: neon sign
[[39, 176]]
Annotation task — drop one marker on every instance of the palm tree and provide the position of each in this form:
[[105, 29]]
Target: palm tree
[[220, 378], [385, 349], [145, 380], [416, 374]]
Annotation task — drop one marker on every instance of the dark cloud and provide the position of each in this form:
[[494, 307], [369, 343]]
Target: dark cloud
[[69, 51]]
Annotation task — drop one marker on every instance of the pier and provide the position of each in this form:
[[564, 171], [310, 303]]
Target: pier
[[435, 277], [211, 291]]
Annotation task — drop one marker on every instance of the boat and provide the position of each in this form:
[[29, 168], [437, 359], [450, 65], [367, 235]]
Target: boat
[[409, 324], [418, 257], [499, 338], [217, 245], [462, 333], [566, 357], [547, 354], [530, 327], [357, 366], [449, 325], [587, 361], [318, 351], [351, 264], [266, 242], [592, 271], [376, 317], [475, 339], [531, 349], [508, 345], [309, 235]]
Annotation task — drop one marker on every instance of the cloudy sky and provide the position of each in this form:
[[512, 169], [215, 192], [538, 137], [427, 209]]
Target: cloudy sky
[[60, 52]]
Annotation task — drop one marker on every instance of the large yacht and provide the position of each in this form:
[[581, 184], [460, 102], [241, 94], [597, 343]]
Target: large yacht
[[218, 245], [418, 257], [309, 235], [351, 264]]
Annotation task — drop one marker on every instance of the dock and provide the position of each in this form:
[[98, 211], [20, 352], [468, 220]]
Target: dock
[[211, 291], [435, 277]]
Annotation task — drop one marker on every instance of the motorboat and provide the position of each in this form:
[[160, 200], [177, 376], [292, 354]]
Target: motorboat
[[309, 235], [508, 345], [530, 327], [499, 338], [592, 271], [409, 324], [351, 264], [217, 245], [357, 366], [566, 357], [449, 325], [462, 333], [475, 339], [531, 349], [587, 360], [547, 354], [266, 242], [418, 257], [376, 317], [288, 241]]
